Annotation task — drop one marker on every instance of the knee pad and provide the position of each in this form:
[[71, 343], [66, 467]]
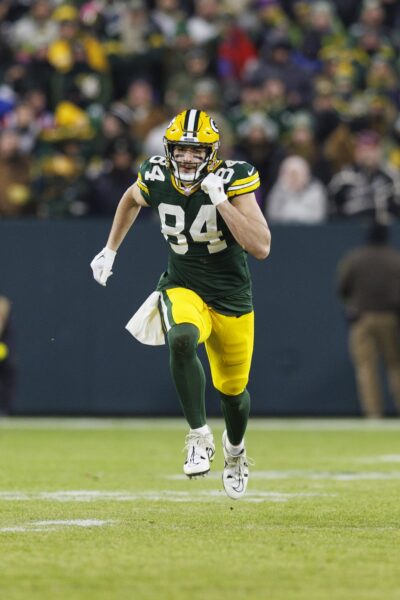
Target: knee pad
[[183, 338]]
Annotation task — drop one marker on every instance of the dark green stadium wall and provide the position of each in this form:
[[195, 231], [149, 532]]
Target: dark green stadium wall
[[75, 357]]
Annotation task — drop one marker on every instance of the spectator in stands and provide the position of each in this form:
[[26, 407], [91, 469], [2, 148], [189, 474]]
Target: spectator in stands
[[117, 175], [81, 68], [180, 88], [323, 25], [366, 188], [325, 115], [276, 104], [268, 19], [300, 141], [115, 124], [82, 58], [382, 78], [251, 100], [62, 187], [15, 176], [338, 148], [146, 112], [139, 33], [168, 16], [369, 287], [296, 197], [140, 47], [23, 54], [70, 123], [37, 100], [371, 41], [372, 18], [381, 114], [203, 26], [276, 62], [22, 121], [257, 142], [34, 32], [236, 52], [7, 358], [41, 121]]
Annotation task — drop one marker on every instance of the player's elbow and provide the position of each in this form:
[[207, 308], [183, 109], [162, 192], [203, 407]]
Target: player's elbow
[[261, 252]]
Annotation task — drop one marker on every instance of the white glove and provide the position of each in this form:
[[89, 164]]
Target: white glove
[[213, 185], [102, 265]]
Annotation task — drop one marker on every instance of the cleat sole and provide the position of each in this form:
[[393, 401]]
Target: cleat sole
[[196, 475]]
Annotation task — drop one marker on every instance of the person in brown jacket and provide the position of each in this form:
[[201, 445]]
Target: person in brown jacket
[[369, 286]]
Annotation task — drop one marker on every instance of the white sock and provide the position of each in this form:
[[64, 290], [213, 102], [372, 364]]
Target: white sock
[[234, 450], [202, 430]]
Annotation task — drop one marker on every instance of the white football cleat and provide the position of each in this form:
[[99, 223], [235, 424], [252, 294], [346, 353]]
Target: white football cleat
[[200, 453], [236, 472]]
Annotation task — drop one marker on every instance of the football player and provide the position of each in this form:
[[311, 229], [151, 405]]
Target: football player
[[211, 220]]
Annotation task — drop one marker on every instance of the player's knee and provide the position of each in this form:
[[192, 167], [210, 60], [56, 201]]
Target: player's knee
[[232, 387], [182, 339]]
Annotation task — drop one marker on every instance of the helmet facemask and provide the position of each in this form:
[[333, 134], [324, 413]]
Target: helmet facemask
[[199, 168]]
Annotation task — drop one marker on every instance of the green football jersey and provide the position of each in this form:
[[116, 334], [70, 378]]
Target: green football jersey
[[203, 254]]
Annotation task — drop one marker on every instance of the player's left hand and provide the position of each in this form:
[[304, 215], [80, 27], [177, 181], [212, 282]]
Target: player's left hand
[[213, 185]]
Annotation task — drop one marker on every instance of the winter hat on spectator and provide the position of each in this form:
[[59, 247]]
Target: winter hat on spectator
[[261, 121], [121, 112], [301, 120]]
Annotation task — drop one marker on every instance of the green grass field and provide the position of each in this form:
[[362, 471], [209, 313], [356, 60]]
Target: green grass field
[[100, 509]]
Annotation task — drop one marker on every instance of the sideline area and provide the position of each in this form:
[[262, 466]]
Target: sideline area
[[166, 423]]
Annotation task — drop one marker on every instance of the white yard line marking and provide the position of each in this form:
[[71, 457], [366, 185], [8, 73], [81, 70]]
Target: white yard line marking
[[74, 523], [381, 458], [327, 475], [311, 475], [166, 495], [54, 525]]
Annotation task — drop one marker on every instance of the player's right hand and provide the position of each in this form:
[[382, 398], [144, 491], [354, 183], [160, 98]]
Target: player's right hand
[[102, 265]]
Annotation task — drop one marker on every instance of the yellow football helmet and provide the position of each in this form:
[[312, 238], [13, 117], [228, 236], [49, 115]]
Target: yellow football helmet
[[192, 128]]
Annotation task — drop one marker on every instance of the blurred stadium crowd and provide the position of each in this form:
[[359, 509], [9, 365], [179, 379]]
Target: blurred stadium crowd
[[307, 91]]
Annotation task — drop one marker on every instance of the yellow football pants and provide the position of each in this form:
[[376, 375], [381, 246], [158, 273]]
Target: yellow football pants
[[228, 340]]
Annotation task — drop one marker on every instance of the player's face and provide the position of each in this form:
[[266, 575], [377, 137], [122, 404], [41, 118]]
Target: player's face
[[189, 158]]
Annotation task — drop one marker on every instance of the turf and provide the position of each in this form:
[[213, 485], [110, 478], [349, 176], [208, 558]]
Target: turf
[[100, 510]]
